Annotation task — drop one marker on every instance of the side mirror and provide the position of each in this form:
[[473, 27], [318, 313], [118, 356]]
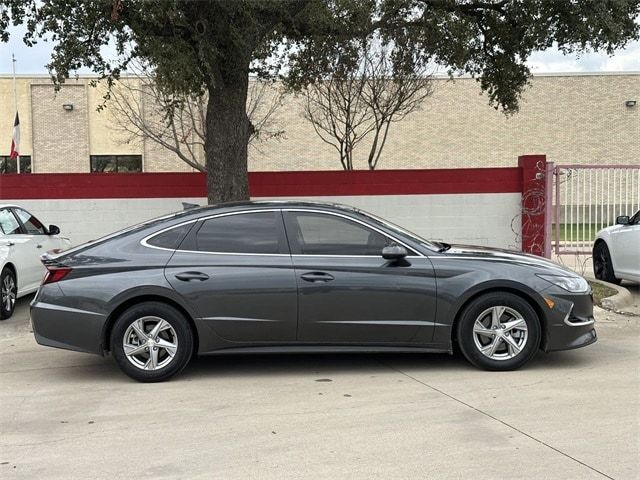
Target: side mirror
[[53, 230], [394, 252], [622, 220]]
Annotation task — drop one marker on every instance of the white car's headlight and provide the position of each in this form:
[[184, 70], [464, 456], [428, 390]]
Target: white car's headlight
[[569, 283]]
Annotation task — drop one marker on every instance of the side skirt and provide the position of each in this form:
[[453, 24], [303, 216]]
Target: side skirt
[[324, 349]]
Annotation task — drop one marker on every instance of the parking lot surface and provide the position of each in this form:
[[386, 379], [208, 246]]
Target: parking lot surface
[[568, 415]]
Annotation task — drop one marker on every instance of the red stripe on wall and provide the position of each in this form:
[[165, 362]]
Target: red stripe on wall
[[262, 184]]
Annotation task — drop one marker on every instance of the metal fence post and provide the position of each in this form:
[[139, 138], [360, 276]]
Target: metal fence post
[[548, 207]]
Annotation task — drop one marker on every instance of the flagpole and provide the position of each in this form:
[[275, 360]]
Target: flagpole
[[15, 100]]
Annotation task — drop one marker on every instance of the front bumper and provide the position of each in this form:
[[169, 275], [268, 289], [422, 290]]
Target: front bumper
[[570, 323]]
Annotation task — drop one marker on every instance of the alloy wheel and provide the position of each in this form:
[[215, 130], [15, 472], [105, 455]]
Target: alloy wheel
[[150, 343], [601, 264], [500, 333], [8, 293]]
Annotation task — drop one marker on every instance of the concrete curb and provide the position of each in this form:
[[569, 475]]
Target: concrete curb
[[615, 302]]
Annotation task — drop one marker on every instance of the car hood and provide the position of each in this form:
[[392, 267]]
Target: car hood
[[510, 256]]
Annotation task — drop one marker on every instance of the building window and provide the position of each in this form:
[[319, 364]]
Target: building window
[[9, 165], [116, 163]]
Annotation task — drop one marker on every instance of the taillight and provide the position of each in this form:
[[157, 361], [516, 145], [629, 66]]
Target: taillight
[[55, 274]]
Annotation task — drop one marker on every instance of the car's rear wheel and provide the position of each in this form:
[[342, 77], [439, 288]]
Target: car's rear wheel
[[499, 331], [8, 293], [152, 342], [602, 265]]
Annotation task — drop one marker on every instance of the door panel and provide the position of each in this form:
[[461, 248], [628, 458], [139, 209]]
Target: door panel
[[626, 250], [236, 271], [41, 243], [369, 300], [347, 292], [246, 298], [21, 251]]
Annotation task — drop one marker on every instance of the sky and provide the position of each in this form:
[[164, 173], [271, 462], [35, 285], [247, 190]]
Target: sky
[[33, 60]]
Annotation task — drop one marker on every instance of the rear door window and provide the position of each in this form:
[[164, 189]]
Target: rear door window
[[255, 232]]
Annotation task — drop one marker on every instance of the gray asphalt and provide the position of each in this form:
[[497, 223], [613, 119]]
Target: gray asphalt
[[569, 415]]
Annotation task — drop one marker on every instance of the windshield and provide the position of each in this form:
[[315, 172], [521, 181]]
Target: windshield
[[436, 246]]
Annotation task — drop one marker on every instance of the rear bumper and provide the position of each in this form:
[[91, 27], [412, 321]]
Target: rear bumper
[[65, 327], [570, 323]]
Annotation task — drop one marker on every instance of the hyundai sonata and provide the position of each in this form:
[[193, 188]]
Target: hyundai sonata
[[301, 277]]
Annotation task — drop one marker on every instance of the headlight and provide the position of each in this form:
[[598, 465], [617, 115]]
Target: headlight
[[570, 284]]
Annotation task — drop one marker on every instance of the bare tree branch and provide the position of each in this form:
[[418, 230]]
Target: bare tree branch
[[365, 97], [142, 110]]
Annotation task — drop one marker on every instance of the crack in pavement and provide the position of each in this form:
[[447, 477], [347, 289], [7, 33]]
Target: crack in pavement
[[508, 425]]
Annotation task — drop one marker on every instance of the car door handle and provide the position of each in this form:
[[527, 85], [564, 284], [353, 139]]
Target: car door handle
[[39, 245], [188, 276], [316, 277], [10, 243]]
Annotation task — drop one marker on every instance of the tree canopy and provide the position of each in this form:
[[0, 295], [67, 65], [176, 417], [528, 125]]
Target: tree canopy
[[212, 46]]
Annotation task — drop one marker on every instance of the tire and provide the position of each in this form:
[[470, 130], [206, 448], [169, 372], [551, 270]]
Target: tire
[[173, 344], [602, 266], [513, 347], [8, 293]]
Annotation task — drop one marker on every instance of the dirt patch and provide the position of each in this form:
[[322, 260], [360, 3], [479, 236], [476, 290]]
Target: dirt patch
[[601, 291]]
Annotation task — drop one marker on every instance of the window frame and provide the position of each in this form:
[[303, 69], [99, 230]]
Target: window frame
[[116, 157], [189, 245], [5, 158], [295, 248], [25, 231]]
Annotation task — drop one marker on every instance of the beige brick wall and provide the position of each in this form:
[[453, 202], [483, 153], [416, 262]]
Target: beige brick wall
[[571, 118], [60, 137], [8, 113]]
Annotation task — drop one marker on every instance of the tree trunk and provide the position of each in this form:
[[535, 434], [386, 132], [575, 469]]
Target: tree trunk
[[227, 139]]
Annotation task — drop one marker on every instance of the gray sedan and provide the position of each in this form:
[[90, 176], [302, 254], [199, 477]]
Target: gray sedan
[[301, 277]]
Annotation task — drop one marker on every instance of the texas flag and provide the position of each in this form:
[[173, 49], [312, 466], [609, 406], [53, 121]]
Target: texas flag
[[15, 140]]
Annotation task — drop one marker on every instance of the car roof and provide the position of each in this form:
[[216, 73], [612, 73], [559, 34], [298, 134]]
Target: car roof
[[272, 203]]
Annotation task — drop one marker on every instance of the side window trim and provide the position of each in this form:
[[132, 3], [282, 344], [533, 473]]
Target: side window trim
[[188, 244], [295, 247], [23, 227]]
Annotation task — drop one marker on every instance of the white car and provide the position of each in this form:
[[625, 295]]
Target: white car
[[23, 238], [616, 251]]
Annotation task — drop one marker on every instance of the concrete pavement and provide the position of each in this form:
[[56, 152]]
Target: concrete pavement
[[569, 415]]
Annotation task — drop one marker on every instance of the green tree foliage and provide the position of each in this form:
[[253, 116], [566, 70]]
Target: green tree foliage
[[212, 46]]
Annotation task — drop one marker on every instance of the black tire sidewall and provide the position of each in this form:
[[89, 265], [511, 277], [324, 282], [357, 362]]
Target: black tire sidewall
[[183, 331], [5, 314], [609, 274], [479, 305]]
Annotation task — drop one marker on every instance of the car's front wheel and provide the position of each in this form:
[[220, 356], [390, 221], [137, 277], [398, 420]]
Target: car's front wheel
[[8, 293], [602, 265], [499, 331], [152, 342]]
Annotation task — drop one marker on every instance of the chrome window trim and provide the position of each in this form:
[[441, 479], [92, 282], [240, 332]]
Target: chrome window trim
[[144, 241], [371, 227], [296, 255]]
